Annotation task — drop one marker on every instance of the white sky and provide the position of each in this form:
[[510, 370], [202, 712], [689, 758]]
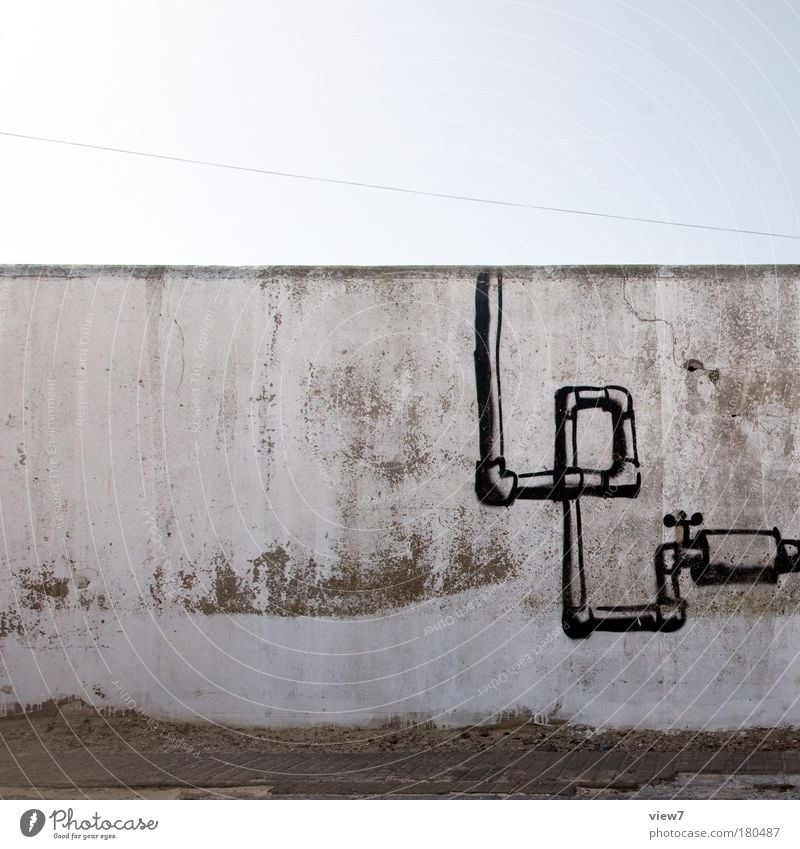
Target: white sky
[[688, 111]]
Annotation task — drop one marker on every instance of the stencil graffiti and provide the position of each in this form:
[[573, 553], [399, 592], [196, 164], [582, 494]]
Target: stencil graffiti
[[721, 557], [724, 556]]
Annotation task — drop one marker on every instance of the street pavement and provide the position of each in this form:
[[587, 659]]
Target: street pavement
[[414, 774]]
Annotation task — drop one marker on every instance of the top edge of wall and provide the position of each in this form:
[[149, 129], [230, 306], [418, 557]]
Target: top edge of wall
[[258, 271]]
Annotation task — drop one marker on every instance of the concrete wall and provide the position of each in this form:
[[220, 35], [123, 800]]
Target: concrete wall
[[249, 494]]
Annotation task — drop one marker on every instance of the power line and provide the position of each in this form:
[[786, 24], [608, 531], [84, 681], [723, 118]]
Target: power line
[[420, 192]]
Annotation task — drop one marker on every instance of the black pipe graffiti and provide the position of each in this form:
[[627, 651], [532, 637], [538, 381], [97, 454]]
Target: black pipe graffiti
[[722, 556], [711, 557]]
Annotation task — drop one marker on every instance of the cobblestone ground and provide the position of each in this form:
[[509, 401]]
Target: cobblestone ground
[[70, 751]]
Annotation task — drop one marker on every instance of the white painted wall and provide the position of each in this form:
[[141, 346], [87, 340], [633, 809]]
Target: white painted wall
[[247, 494]]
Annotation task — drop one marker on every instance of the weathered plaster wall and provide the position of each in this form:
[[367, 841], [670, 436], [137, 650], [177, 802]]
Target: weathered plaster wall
[[248, 495]]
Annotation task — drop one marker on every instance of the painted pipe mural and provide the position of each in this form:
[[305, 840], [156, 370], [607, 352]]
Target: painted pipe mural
[[712, 556]]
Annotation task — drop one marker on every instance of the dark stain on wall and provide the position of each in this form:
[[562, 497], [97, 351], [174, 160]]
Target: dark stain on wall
[[229, 593], [276, 583], [10, 623], [280, 582], [474, 564], [375, 412], [43, 589]]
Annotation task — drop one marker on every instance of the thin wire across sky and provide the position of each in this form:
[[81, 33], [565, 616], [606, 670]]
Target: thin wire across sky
[[400, 189]]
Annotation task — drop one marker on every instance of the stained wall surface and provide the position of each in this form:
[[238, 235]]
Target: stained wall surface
[[248, 495]]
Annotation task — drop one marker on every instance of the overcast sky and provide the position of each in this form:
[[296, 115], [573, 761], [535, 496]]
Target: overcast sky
[[682, 111]]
